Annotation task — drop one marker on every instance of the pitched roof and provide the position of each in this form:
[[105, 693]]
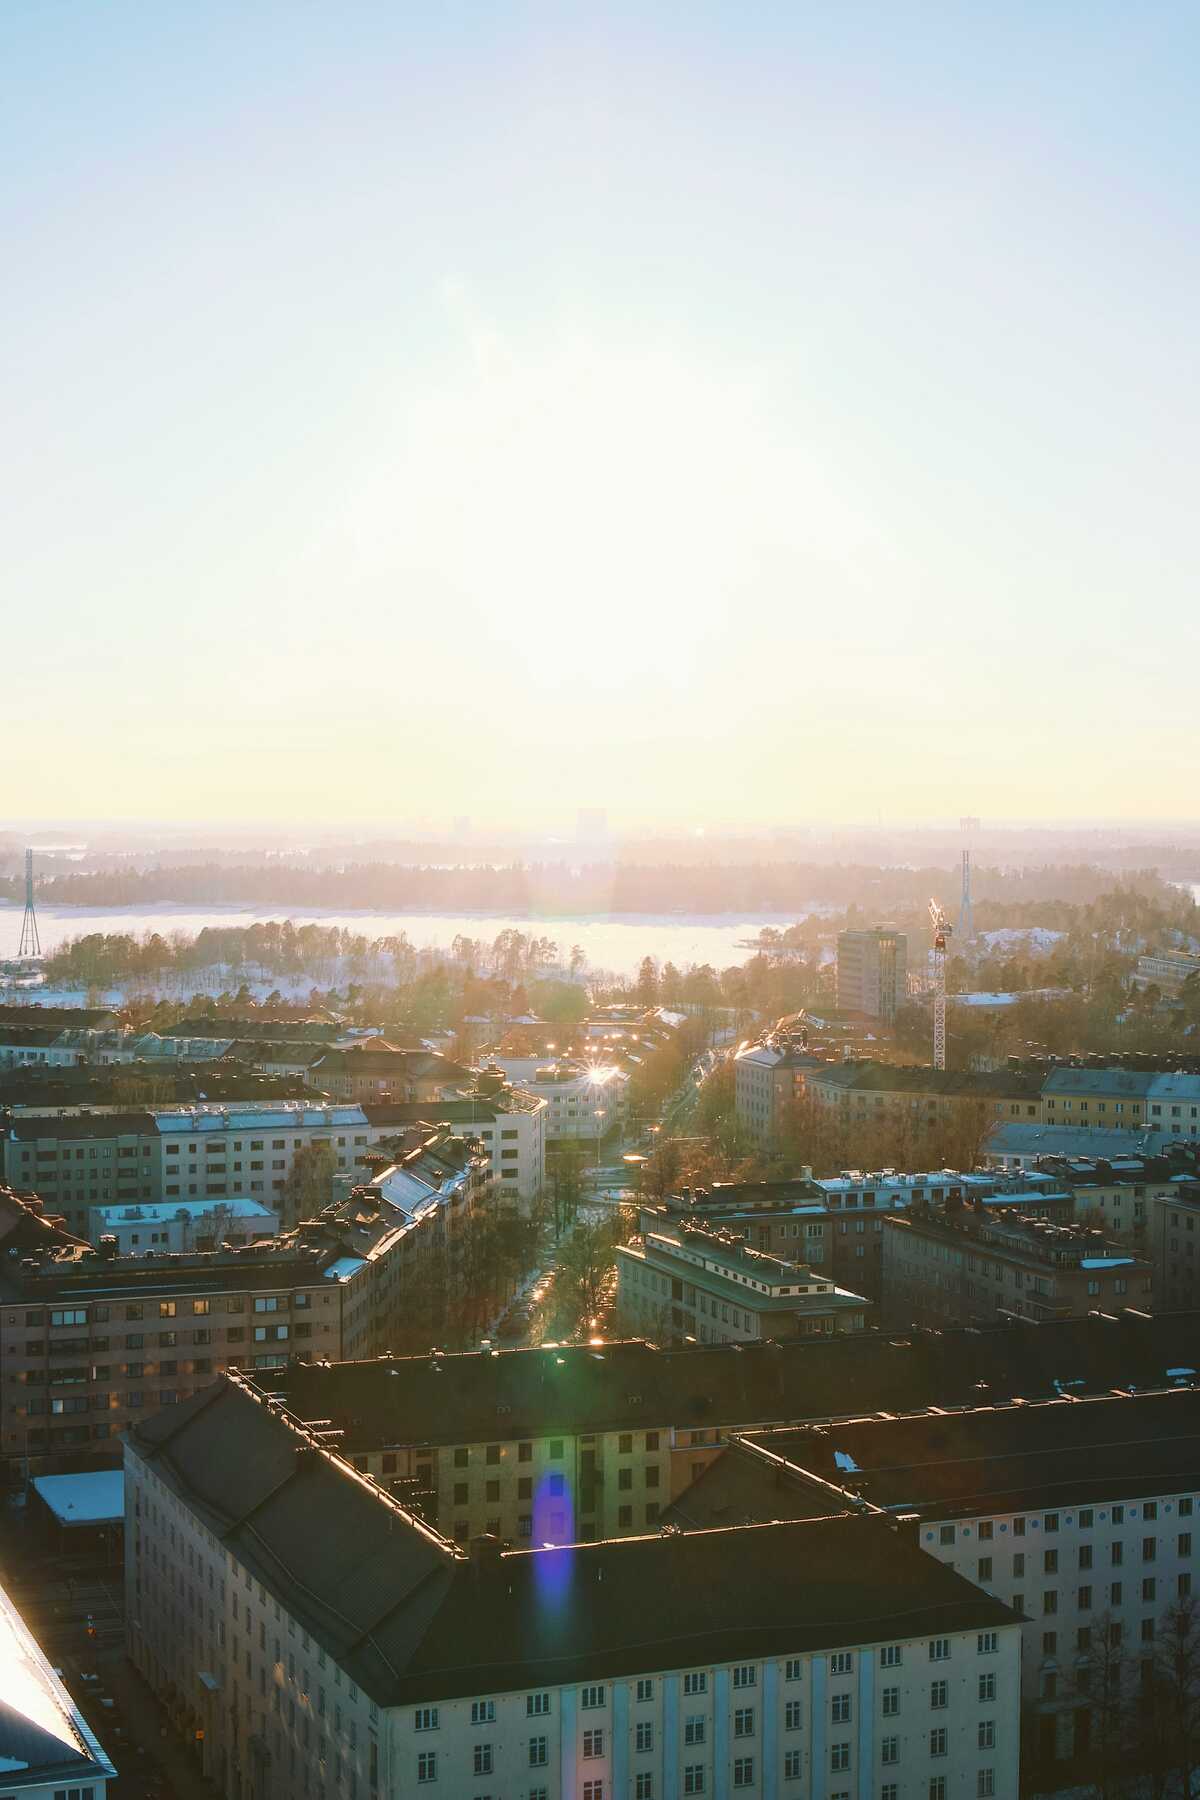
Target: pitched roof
[[411, 1617], [1061, 1452]]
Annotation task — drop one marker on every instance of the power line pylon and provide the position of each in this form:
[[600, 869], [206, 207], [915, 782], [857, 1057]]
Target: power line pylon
[[31, 943]]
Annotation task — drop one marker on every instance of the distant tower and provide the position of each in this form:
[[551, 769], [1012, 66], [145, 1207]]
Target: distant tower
[[966, 918], [31, 943]]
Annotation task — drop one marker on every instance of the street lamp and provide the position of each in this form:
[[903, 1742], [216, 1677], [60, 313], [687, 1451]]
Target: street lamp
[[599, 1132]]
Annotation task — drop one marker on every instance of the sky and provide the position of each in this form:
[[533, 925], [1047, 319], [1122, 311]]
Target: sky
[[753, 414]]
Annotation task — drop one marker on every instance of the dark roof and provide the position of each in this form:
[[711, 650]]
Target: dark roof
[[26, 1127], [78, 1018], [478, 1397], [874, 1077], [738, 1488], [410, 1617], [1058, 1453]]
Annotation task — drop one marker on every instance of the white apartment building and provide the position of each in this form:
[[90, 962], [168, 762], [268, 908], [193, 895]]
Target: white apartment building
[[509, 1123], [793, 1661], [581, 1101], [1079, 1514], [45, 1741]]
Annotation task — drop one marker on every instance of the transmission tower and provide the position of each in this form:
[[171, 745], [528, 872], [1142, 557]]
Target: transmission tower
[[966, 918], [31, 943], [942, 929]]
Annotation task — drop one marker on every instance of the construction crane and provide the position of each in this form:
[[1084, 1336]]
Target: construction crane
[[942, 929]]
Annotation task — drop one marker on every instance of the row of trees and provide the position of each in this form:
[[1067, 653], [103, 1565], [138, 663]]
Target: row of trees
[[711, 886]]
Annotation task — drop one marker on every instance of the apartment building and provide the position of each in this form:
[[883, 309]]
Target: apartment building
[[793, 1658], [835, 1225], [707, 1284], [472, 1439], [1167, 970], [966, 1264], [865, 1090], [872, 972], [509, 1124], [1165, 1101], [769, 1076], [1174, 1231], [376, 1070], [1080, 1515], [89, 1158], [90, 1341], [582, 1101], [45, 1741]]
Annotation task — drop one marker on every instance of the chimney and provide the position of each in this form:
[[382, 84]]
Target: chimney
[[485, 1552]]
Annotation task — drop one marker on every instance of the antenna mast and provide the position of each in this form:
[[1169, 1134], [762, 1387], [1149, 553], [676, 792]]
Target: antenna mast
[[942, 929]]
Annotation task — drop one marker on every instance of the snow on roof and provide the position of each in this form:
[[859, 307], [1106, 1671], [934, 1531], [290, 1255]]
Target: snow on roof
[[42, 1731], [94, 1498], [344, 1268], [146, 1212], [1106, 1262]]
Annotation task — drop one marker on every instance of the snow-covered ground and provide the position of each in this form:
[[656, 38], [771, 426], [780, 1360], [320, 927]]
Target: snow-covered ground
[[1034, 938]]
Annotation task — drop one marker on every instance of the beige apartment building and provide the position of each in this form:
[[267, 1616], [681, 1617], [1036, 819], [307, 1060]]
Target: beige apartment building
[[872, 972]]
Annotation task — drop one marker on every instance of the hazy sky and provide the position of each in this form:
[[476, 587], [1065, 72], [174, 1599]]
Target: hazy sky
[[713, 412]]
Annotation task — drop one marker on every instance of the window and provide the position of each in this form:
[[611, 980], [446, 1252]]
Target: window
[[743, 1771], [695, 1682], [694, 1728], [985, 1531], [693, 1778], [947, 1534], [939, 1693], [1150, 1510], [984, 1569], [1185, 1543], [842, 1662], [793, 1669], [839, 1757], [891, 1702], [937, 1741], [1050, 1562], [987, 1643], [743, 1722], [1050, 1601], [745, 1675], [536, 1705], [840, 1709], [1050, 1523], [985, 1784], [1116, 1554], [889, 1749], [987, 1687], [483, 1759], [939, 1649], [891, 1656], [644, 1736], [592, 1696], [937, 1787], [483, 1712], [1083, 1599], [987, 1734], [424, 1719], [593, 1790], [427, 1765], [793, 1765], [593, 1743], [644, 1787], [1118, 1515], [539, 1752], [645, 1688]]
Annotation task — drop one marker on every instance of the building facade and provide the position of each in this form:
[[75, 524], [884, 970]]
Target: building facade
[[966, 1265], [692, 1281], [872, 972], [794, 1658]]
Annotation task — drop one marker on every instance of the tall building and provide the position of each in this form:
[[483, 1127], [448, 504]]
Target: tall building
[[872, 972], [751, 1660]]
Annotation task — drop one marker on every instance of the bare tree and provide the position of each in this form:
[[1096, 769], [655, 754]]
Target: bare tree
[[1177, 1672]]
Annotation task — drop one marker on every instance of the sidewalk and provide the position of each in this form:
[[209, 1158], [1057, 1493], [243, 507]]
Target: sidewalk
[[151, 1761]]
